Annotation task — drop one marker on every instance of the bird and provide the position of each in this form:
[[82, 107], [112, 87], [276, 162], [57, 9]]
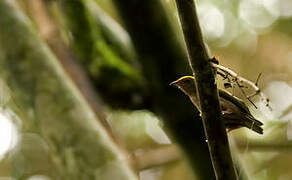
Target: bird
[[235, 112]]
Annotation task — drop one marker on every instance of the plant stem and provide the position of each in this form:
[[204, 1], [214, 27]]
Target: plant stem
[[162, 61], [211, 112]]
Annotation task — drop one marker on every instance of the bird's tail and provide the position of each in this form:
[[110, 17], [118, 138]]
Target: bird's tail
[[253, 124]]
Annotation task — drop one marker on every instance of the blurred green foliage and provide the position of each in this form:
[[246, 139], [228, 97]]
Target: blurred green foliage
[[131, 50], [53, 112]]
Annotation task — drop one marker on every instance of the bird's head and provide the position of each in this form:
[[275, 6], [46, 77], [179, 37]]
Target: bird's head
[[186, 84]]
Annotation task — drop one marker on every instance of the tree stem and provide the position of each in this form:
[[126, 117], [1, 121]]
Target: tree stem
[[211, 112], [158, 48]]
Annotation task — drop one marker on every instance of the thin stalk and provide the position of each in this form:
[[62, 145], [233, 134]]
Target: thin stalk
[[161, 57], [208, 94]]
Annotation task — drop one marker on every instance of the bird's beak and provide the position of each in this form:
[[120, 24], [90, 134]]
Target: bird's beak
[[173, 83]]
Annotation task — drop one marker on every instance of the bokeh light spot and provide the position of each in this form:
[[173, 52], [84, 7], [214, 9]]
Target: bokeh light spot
[[256, 14], [38, 177], [8, 134], [211, 21]]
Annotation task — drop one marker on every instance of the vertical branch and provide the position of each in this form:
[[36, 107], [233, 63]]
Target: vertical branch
[[211, 112], [160, 55]]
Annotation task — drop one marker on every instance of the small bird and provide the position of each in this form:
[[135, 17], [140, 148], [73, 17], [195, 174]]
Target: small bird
[[234, 111]]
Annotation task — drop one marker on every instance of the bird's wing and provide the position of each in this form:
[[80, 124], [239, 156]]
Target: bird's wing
[[236, 101]]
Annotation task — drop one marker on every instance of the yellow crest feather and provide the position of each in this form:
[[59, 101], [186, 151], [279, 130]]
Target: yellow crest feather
[[185, 77]]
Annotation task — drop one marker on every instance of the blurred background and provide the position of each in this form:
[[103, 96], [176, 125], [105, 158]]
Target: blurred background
[[84, 89]]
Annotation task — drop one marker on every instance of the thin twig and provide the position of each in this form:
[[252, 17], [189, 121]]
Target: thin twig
[[258, 78], [156, 157], [245, 95], [260, 146], [207, 90], [171, 153]]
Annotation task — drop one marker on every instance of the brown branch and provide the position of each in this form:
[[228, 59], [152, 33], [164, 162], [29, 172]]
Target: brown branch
[[156, 157], [156, 51], [207, 90], [171, 153], [259, 146]]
